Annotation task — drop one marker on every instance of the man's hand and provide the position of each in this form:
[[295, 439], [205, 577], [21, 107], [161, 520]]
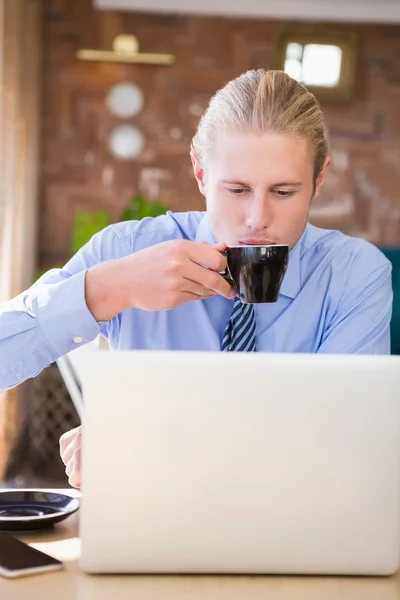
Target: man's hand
[[157, 278], [70, 451]]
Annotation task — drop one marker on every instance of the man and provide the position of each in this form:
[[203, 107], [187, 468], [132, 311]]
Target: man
[[260, 156]]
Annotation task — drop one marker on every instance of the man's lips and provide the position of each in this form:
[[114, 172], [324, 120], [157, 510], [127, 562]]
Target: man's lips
[[256, 242]]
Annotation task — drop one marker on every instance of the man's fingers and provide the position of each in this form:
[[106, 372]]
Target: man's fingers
[[208, 255], [73, 469], [196, 289], [220, 246], [67, 437], [70, 442], [74, 445], [75, 479], [69, 452], [208, 279]]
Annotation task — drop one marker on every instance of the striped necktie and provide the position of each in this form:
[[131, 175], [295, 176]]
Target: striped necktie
[[240, 333]]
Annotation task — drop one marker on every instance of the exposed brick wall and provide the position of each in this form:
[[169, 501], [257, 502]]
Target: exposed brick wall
[[360, 196]]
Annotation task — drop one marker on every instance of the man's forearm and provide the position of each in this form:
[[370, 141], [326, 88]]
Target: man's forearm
[[105, 290], [42, 324]]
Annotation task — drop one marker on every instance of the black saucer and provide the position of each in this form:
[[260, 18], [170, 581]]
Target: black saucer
[[28, 510]]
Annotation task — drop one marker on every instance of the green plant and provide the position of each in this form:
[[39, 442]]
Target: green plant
[[139, 208], [87, 224]]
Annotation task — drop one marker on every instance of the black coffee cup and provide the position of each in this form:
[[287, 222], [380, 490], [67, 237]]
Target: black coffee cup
[[256, 272]]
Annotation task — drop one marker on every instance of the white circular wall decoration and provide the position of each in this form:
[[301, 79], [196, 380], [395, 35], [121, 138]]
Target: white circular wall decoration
[[124, 100], [125, 142]]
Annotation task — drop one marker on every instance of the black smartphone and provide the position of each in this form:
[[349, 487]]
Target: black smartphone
[[18, 559]]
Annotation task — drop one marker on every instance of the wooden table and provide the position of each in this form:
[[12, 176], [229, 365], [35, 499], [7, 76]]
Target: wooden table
[[71, 584]]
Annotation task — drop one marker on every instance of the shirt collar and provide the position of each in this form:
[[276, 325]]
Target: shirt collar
[[291, 282]]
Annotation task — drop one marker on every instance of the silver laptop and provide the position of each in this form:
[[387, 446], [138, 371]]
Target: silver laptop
[[240, 463]]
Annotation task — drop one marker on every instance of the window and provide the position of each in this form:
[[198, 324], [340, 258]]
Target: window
[[325, 65]]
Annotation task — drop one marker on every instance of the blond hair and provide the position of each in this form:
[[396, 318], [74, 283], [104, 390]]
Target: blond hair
[[268, 101]]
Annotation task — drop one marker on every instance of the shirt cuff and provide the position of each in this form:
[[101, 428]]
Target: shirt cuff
[[64, 317]]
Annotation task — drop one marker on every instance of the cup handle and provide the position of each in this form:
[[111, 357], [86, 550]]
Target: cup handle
[[227, 275]]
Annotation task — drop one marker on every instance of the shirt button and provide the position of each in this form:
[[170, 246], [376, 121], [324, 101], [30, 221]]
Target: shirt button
[[77, 339]]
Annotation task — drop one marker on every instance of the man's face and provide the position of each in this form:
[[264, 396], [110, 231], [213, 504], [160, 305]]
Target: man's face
[[258, 187]]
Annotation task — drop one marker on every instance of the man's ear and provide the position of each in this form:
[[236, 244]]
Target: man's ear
[[321, 176], [198, 172]]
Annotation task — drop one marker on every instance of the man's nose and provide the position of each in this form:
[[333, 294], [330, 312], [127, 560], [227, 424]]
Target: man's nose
[[259, 216]]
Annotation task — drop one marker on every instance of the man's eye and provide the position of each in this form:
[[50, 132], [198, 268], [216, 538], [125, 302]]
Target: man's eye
[[236, 190], [284, 193]]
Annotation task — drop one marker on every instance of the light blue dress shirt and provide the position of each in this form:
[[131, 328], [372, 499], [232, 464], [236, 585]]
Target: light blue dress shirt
[[336, 297]]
